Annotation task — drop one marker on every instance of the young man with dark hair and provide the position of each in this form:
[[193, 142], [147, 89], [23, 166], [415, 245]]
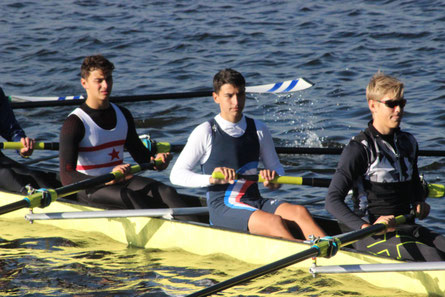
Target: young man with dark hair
[[381, 162], [232, 143], [92, 142]]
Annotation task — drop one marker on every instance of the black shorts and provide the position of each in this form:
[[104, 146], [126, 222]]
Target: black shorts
[[236, 216], [410, 242]]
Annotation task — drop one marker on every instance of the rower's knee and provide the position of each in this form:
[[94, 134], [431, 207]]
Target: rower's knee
[[292, 212], [267, 224], [302, 211]]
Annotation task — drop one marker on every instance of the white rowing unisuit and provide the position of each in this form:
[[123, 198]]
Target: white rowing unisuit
[[100, 150], [199, 145]]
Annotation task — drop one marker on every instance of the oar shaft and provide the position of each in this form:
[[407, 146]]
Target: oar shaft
[[34, 200], [318, 249], [301, 256], [99, 180], [279, 87], [117, 99], [383, 267], [176, 148], [353, 236], [121, 213], [14, 206]]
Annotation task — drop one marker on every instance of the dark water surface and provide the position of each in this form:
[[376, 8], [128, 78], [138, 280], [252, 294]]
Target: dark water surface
[[177, 46]]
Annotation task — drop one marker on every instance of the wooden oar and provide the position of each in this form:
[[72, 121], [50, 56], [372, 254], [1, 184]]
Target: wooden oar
[[161, 147], [34, 200], [434, 190], [326, 247], [279, 87]]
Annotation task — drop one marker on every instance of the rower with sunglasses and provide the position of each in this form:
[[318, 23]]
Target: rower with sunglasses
[[381, 165]]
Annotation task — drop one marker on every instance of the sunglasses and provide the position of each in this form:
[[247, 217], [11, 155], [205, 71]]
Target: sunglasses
[[393, 103]]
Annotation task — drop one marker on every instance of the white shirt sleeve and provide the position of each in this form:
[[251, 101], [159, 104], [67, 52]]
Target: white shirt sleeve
[[199, 145], [268, 154], [195, 152]]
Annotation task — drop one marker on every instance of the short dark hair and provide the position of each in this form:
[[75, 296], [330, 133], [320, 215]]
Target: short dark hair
[[228, 76], [92, 63]]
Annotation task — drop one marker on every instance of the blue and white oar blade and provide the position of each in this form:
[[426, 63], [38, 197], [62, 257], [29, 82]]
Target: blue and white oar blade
[[18, 98], [282, 87]]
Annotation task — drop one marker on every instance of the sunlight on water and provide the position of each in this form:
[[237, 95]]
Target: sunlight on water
[[292, 118]]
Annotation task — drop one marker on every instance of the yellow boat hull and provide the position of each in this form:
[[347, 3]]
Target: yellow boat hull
[[202, 239]]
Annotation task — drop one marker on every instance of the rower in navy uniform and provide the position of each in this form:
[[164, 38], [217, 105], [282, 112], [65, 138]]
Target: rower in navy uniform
[[16, 177], [92, 142], [232, 143], [381, 162]]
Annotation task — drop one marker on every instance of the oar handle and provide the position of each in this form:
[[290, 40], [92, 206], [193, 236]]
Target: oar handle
[[37, 146], [435, 190], [161, 147], [290, 180]]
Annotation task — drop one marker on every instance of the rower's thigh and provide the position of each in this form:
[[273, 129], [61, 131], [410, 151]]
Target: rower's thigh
[[108, 197], [124, 195], [155, 193], [262, 222], [233, 218], [403, 244]]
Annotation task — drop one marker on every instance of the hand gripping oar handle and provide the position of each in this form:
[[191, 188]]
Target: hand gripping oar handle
[[35, 199], [161, 147], [291, 180], [434, 190], [321, 248]]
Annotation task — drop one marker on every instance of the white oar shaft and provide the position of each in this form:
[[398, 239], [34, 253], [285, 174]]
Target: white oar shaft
[[161, 212], [389, 267]]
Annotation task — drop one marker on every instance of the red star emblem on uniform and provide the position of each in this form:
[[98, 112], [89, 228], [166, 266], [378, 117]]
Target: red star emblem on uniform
[[114, 154]]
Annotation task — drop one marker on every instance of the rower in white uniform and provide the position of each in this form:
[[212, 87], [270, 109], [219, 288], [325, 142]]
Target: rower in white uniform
[[232, 143]]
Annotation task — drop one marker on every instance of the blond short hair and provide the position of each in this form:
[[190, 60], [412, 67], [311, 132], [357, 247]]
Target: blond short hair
[[382, 84]]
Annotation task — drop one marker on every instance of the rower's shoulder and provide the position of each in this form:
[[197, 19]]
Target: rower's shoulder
[[203, 128], [124, 110], [72, 123], [260, 125]]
